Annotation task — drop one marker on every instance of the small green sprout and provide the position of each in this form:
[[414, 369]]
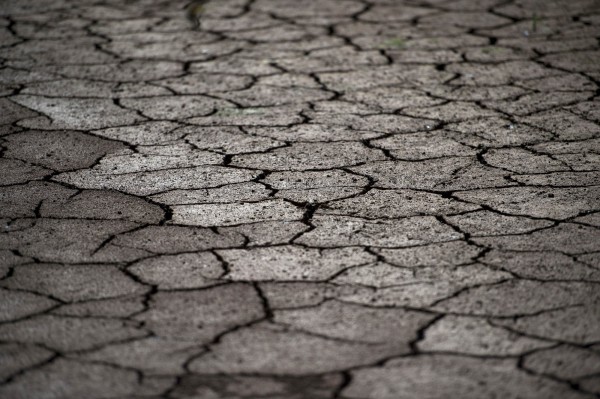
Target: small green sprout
[[394, 43], [534, 22]]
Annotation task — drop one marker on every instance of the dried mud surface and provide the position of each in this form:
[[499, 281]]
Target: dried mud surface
[[351, 199]]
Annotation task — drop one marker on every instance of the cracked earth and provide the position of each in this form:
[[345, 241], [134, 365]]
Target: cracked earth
[[352, 199]]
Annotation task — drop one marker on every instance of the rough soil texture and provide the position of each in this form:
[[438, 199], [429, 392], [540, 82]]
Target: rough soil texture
[[300, 199]]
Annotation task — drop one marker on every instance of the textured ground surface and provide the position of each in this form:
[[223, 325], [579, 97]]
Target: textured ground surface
[[300, 199]]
